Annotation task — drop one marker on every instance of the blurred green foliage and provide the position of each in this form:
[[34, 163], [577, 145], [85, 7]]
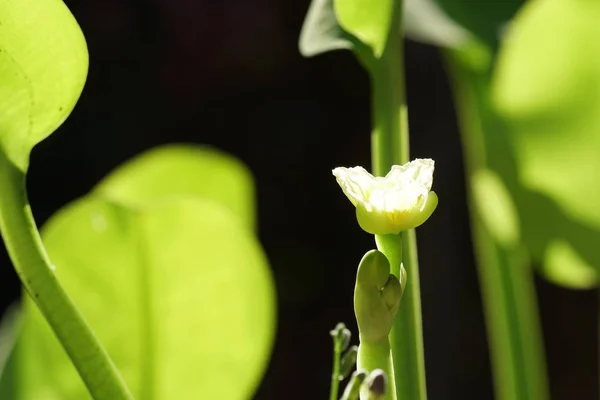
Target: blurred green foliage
[[162, 261], [546, 89], [485, 19], [532, 83]]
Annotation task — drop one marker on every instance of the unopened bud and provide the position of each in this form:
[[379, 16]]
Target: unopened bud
[[376, 297], [348, 362], [341, 336]]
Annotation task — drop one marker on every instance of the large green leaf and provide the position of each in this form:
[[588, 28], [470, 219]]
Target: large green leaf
[[547, 89], [183, 170], [43, 67], [176, 287]]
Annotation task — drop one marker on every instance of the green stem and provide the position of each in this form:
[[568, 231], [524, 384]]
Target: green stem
[[377, 355], [390, 146], [335, 374], [406, 337], [389, 138], [505, 274], [31, 263]]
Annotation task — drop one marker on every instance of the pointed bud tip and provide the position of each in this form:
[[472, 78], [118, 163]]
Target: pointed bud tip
[[341, 336]]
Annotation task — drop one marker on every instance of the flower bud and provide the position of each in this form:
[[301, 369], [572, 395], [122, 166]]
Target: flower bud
[[376, 297], [341, 336], [348, 362]]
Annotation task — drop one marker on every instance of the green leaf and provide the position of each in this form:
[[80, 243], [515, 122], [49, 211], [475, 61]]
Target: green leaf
[[43, 67], [546, 88], [369, 20], [183, 170], [174, 285], [10, 326], [485, 19], [321, 31]]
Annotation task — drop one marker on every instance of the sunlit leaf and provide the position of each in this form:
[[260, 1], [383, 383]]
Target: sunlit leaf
[[368, 20], [176, 288], [43, 67], [495, 207], [10, 327], [183, 170], [547, 89], [564, 266]]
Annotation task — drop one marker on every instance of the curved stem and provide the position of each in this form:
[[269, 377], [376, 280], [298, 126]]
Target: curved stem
[[31, 263], [377, 355]]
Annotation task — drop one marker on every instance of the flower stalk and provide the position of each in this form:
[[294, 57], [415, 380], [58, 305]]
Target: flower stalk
[[390, 146]]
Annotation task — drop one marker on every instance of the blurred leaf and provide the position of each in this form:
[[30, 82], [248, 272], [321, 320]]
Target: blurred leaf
[[495, 207], [183, 170], [369, 20], [175, 287], [321, 31], [425, 21], [564, 266], [485, 19], [547, 89], [10, 326], [43, 67]]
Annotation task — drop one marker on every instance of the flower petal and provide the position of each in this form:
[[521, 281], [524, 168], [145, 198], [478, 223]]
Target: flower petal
[[356, 183], [419, 171], [417, 218]]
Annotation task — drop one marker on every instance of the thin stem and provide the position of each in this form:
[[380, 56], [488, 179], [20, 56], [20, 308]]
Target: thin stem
[[377, 355], [505, 273], [335, 374], [31, 263]]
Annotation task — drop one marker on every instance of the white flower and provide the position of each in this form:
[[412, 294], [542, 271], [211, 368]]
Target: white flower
[[392, 204]]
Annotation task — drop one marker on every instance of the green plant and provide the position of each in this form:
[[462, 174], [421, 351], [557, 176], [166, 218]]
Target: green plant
[[153, 285], [525, 92]]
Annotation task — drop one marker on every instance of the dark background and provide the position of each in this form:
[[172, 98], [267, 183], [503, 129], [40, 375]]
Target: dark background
[[228, 73]]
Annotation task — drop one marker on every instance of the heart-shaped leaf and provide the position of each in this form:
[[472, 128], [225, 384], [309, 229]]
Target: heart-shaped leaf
[[183, 170], [172, 281], [43, 67]]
